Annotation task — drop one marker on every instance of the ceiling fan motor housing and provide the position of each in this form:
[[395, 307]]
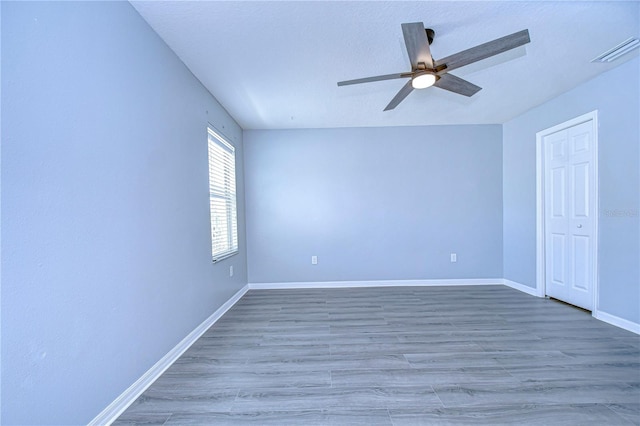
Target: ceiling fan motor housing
[[430, 34]]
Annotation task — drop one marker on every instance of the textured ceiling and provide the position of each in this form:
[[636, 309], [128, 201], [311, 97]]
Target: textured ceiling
[[275, 64]]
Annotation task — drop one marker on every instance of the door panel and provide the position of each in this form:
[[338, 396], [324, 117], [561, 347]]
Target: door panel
[[581, 262], [557, 188], [581, 141], [557, 259], [581, 190]]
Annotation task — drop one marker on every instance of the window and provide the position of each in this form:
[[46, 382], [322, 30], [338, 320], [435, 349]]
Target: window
[[222, 197]]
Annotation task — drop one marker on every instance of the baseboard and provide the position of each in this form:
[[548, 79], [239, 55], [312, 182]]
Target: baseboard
[[521, 287], [376, 283], [617, 321], [117, 407]]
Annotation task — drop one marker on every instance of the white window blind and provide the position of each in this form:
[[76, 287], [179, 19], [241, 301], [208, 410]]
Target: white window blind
[[222, 197]]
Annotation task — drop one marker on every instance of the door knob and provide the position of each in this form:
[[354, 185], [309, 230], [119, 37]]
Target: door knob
[[579, 226]]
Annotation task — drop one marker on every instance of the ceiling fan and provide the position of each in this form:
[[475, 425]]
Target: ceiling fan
[[426, 72]]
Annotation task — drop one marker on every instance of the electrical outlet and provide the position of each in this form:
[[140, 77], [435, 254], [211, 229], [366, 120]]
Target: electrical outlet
[[454, 257], [231, 270], [314, 260]]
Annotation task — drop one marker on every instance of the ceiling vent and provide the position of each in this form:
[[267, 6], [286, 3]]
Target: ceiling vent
[[621, 49]]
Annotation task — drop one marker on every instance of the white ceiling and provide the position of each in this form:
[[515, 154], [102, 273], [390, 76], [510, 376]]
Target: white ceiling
[[275, 64]]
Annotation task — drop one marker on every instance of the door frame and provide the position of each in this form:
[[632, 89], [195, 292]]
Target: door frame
[[540, 205]]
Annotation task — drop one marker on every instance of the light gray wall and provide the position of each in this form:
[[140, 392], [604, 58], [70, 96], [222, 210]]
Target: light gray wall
[[106, 261], [616, 96], [374, 203]]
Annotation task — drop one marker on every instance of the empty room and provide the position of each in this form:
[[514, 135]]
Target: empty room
[[320, 212]]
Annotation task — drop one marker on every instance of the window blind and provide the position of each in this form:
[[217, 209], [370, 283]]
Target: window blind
[[222, 197]]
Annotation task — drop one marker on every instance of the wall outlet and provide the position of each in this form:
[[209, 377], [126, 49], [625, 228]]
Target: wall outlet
[[454, 257], [231, 270], [314, 260]]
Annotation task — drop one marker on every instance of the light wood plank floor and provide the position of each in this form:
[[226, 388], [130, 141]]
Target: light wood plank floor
[[400, 356]]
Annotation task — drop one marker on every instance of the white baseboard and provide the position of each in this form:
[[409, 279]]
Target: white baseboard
[[122, 402], [521, 287], [617, 321], [376, 283]]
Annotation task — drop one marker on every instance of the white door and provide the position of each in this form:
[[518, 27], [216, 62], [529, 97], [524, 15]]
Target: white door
[[569, 194]]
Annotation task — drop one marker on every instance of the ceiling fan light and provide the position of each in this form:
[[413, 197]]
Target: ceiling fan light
[[422, 81]]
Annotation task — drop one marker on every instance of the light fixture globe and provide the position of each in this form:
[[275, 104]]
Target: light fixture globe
[[424, 80]]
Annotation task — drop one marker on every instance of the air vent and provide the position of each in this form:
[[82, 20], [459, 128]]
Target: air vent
[[621, 49]]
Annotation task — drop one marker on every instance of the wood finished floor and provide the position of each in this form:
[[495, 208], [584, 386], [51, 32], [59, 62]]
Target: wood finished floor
[[400, 356]]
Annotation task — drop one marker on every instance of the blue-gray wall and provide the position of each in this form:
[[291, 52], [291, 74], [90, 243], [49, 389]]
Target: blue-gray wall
[[374, 203], [616, 96], [106, 260], [105, 243]]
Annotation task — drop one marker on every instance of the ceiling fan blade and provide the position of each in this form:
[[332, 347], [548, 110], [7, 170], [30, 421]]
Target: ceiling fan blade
[[399, 97], [375, 78], [457, 85], [415, 38], [485, 50]]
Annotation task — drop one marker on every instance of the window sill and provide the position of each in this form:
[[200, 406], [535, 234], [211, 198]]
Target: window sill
[[225, 256]]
